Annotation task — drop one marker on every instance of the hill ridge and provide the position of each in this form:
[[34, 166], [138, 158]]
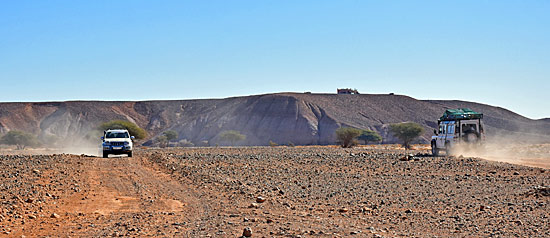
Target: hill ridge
[[299, 118]]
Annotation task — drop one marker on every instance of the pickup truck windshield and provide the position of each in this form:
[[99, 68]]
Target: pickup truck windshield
[[117, 135]]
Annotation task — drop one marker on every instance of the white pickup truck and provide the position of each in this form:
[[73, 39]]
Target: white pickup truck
[[116, 142]]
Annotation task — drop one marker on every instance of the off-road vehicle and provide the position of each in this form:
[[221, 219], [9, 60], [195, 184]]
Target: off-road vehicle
[[456, 127], [116, 142]]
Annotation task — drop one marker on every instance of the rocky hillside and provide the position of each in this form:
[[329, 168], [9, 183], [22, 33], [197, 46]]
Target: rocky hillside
[[281, 118]]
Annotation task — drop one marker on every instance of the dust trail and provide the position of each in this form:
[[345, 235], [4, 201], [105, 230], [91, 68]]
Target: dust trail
[[79, 145], [537, 155]]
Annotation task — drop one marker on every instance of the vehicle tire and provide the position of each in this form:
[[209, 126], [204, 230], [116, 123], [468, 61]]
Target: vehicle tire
[[471, 138], [435, 150], [105, 155], [130, 154]]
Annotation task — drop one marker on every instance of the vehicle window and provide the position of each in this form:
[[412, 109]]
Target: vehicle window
[[451, 129], [467, 128], [440, 129], [117, 135]]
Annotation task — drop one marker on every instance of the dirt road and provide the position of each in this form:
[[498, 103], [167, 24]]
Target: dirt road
[[306, 192], [108, 197]]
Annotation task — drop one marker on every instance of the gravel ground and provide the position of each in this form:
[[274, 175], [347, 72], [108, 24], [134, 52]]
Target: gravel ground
[[274, 191]]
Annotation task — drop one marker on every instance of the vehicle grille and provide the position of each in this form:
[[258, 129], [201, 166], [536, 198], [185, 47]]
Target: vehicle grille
[[117, 143]]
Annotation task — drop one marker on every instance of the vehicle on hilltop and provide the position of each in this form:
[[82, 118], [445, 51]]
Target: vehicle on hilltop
[[456, 127], [116, 142]]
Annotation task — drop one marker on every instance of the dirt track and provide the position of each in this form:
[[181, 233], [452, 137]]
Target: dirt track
[[309, 192]]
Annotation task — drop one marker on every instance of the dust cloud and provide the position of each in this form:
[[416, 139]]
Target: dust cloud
[[509, 149], [80, 145]]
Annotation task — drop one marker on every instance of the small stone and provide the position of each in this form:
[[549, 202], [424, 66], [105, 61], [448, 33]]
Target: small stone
[[408, 211], [247, 232], [29, 200], [516, 173], [268, 220], [254, 205], [343, 210], [260, 199], [32, 216], [36, 171], [54, 215]]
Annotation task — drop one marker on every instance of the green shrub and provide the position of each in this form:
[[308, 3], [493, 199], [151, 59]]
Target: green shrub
[[161, 141], [407, 132], [232, 136], [20, 139], [346, 136], [170, 135], [369, 136]]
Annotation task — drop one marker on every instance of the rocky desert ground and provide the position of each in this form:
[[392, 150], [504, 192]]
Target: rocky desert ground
[[372, 191]]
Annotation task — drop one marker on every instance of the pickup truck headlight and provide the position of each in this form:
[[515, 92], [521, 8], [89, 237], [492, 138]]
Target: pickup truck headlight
[[106, 143], [126, 143]]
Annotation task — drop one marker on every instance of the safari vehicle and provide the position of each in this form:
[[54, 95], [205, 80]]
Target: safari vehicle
[[116, 142], [461, 126]]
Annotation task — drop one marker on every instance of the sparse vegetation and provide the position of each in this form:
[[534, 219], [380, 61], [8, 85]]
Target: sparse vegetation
[[170, 135], [232, 136], [272, 144], [134, 130], [185, 143], [20, 139], [162, 141], [347, 136], [407, 132], [369, 136], [290, 144]]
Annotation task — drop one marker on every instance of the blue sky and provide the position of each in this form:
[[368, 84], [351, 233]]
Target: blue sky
[[493, 52]]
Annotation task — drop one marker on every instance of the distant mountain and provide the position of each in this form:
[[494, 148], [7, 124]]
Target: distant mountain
[[302, 119]]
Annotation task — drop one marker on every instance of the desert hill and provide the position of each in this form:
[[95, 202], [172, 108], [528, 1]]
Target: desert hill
[[281, 118]]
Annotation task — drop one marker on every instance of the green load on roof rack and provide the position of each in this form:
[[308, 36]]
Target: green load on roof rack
[[460, 114]]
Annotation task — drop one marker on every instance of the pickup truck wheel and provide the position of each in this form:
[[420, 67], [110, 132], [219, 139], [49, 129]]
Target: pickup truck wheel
[[129, 154], [105, 155], [435, 150]]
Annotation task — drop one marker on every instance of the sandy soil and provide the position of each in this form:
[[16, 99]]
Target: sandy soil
[[308, 191]]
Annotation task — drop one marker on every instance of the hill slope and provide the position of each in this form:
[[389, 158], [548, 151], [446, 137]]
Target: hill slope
[[282, 117]]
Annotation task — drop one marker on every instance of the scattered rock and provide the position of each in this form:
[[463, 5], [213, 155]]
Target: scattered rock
[[54, 215], [260, 199], [247, 232], [343, 210]]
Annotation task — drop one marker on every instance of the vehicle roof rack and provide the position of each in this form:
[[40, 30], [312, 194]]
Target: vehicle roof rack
[[460, 114]]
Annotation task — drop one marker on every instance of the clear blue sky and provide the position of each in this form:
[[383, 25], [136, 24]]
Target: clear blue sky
[[493, 52]]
